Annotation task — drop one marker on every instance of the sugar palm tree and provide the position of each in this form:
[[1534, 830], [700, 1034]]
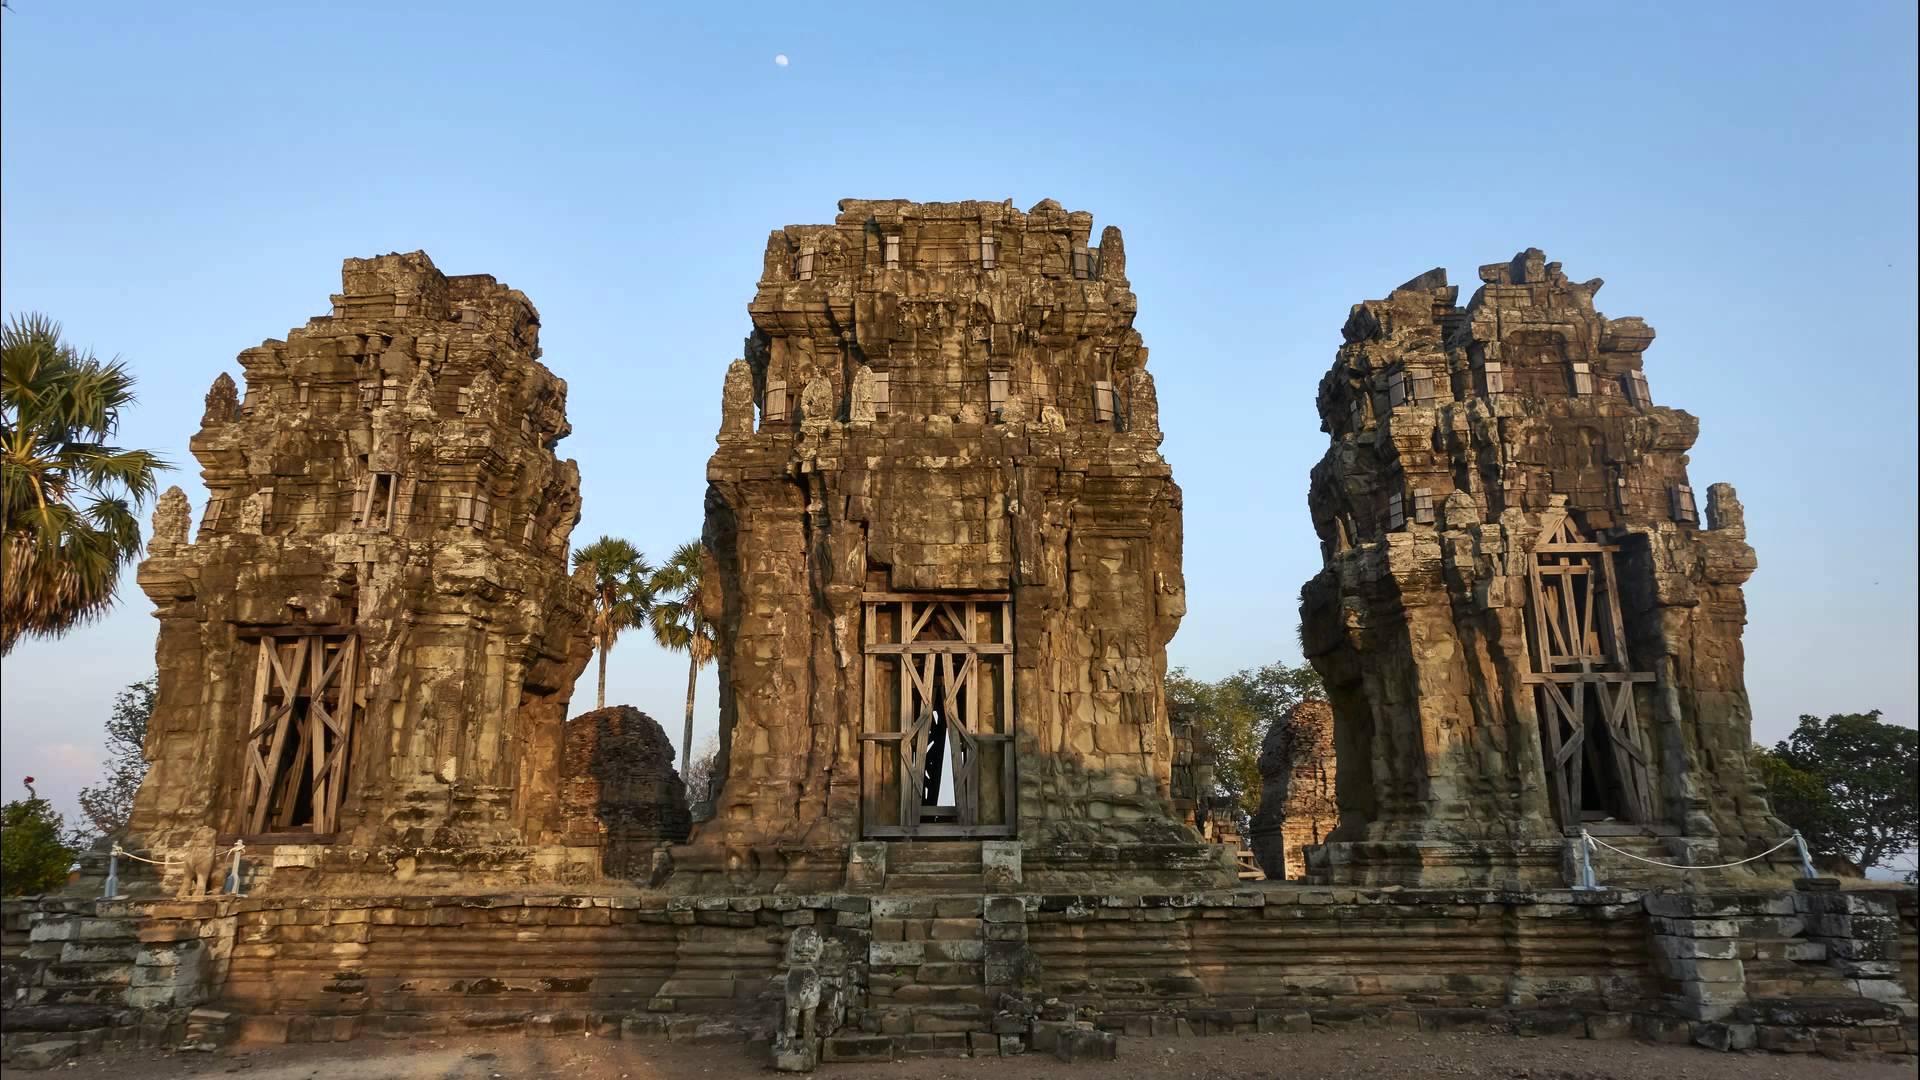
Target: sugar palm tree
[[622, 595], [679, 625], [68, 496]]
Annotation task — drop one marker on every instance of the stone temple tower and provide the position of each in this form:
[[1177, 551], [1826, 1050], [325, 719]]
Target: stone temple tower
[[1525, 623], [946, 553], [366, 655]]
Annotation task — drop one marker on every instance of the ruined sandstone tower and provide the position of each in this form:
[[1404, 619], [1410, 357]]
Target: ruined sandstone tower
[[1524, 623], [372, 641], [946, 550]]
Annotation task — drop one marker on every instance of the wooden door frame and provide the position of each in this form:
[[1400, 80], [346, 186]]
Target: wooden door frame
[[955, 667], [1576, 684], [316, 667]]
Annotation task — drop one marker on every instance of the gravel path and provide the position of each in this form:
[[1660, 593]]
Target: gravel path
[[1336, 1056]]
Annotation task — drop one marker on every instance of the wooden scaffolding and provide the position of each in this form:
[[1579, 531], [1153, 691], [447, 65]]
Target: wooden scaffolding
[[300, 731], [1583, 685], [939, 695]]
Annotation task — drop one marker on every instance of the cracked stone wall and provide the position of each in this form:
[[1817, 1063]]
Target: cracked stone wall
[[935, 426], [1458, 434], [389, 473]]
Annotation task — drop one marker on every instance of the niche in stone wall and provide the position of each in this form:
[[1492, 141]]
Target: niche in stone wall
[[1536, 363]]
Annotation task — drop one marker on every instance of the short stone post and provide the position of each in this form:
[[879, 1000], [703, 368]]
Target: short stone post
[[1806, 860], [233, 882]]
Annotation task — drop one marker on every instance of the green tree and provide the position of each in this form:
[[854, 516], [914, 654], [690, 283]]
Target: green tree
[[68, 496], [621, 594], [1861, 803], [679, 625], [33, 857], [1232, 717], [108, 804]]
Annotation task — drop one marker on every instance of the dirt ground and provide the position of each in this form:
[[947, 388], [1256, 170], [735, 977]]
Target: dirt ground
[[1341, 1055]]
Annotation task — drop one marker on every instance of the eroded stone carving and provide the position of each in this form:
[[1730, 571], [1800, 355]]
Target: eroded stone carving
[[223, 401], [1522, 625], [172, 519], [813, 999]]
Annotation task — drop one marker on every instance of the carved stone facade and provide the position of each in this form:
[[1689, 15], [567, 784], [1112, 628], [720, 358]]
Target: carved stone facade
[[1297, 799], [367, 653], [1525, 625], [946, 550]]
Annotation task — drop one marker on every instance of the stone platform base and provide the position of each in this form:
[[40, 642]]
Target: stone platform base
[[945, 867], [907, 974], [1535, 864]]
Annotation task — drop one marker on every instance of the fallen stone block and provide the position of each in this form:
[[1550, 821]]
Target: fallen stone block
[[45, 1055]]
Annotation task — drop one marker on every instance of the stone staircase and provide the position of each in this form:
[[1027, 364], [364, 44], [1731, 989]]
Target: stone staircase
[[1615, 870], [934, 866]]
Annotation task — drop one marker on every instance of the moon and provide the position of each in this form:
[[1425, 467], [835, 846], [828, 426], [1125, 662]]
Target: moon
[[780, 60]]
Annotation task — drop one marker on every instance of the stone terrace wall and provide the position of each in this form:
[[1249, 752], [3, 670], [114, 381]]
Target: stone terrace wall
[[1787, 971]]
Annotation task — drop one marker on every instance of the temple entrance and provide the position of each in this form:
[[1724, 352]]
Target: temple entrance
[[1596, 756], [937, 754], [299, 733]]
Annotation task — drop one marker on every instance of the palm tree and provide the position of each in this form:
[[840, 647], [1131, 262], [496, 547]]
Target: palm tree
[[679, 625], [621, 594], [67, 496]]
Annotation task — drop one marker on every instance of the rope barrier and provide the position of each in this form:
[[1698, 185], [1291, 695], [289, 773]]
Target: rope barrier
[[1589, 838], [230, 885], [176, 856], [168, 861]]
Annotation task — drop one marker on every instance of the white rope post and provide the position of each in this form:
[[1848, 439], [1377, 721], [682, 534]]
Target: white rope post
[[113, 874], [1586, 862], [1806, 860], [233, 883]]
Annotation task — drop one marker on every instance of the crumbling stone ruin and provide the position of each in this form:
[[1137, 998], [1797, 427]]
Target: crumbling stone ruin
[[1524, 623], [955, 817], [946, 551], [1297, 800], [619, 793], [366, 653]]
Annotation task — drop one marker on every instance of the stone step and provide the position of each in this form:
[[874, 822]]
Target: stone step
[[1794, 989], [920, 868], [957, 883]]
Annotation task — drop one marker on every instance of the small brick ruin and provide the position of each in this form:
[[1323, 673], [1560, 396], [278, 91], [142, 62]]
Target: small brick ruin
[[1525, 624], [1298, 806], [944, 553], [619, 793]]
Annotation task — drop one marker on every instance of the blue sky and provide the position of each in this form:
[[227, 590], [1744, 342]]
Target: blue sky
[[181, 182]]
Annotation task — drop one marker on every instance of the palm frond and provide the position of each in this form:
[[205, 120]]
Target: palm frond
[[71, 497]]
